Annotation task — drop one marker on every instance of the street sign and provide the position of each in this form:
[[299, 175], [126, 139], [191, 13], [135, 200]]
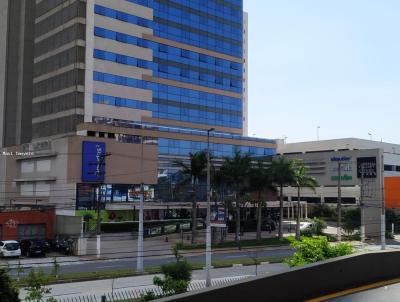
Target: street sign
[[218, 216]]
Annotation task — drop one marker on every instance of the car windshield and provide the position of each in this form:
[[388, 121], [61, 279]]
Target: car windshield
[[11, 246]]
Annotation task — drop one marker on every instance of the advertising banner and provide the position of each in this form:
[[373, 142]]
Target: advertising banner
[[218, 216], [93, 161], [366, 165]]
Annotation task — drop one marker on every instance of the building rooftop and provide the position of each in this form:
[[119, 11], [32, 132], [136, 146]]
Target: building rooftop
[[336, 145]]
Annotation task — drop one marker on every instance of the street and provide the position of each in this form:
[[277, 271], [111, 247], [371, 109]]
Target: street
[[91, 265]]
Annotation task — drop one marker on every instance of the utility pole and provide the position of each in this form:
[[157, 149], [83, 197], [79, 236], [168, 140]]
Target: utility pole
[[208, 234], [383, 222], [362, 204], [140, 247], [339, 203], [100, 164], [98, 225]]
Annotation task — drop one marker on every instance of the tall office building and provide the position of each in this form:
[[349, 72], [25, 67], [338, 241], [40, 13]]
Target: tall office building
[[148, 63], [16, 62], [154, 61]]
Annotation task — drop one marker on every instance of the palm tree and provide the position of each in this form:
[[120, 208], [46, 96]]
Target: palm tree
[[301, 180], [282, 171], [260, 182], [194, 171], [236, 171]]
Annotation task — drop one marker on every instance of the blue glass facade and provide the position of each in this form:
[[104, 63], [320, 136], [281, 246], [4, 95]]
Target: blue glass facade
[[183, 147], [214, 26]]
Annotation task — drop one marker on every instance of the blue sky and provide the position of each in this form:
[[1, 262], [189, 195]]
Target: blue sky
[[333, 64]]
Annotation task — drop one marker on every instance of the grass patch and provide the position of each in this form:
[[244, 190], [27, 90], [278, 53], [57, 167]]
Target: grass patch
[[243, 243], [85, 276]]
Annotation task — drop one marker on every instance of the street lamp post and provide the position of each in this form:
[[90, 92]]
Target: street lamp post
[[208, 234], [139, 260]]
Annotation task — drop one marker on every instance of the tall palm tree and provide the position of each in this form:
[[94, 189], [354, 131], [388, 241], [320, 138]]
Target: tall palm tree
[[301, 180], [194, 171], [260, 181], [236, 170], [282, 170]]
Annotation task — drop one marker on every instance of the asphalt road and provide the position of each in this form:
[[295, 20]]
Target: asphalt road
[[114, 264], [380, 294]]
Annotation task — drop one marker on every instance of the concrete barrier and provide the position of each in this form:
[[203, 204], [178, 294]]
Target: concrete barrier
[[306, 282]]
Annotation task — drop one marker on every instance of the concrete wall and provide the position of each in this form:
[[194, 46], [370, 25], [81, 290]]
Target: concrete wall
[[307, 282], [68, 225]]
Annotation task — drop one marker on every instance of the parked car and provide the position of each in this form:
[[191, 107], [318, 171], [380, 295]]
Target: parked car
[[46, 244], [10, 248], [62, 245], [307, 226], [32, 247]]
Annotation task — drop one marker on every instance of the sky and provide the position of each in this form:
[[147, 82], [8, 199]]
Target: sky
[[333, 64]]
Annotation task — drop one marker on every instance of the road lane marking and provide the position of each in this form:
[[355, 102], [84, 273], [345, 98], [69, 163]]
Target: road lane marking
[[355, 290]]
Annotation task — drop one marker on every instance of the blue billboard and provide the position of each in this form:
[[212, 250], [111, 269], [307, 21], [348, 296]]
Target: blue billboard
[[93, 161]]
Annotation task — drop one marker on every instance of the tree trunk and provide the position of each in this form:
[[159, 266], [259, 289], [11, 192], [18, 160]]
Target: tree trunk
[[194, 221], [237, 235], [280, 212], [298, 215], [259, 208]]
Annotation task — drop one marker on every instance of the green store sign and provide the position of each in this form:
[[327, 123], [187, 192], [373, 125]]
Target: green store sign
[[343, 177]]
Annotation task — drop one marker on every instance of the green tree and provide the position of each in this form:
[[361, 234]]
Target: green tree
[[8, 292], [260, 181], [236, 170], [36, 289], [301, 180], [194, 171], [282, 170]]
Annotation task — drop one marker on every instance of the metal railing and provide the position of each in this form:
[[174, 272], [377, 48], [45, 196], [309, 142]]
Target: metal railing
[[133, 295]]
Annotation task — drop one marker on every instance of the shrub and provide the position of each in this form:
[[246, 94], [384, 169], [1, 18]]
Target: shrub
[[323, 210], [338, 250], [8, 293], [389, 235], [319, 225], [180, 270], [149, 296], [176, 277], [314, 249], [351, 220]]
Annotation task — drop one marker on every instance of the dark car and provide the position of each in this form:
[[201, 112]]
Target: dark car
[[32, 247], [62, 245]]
